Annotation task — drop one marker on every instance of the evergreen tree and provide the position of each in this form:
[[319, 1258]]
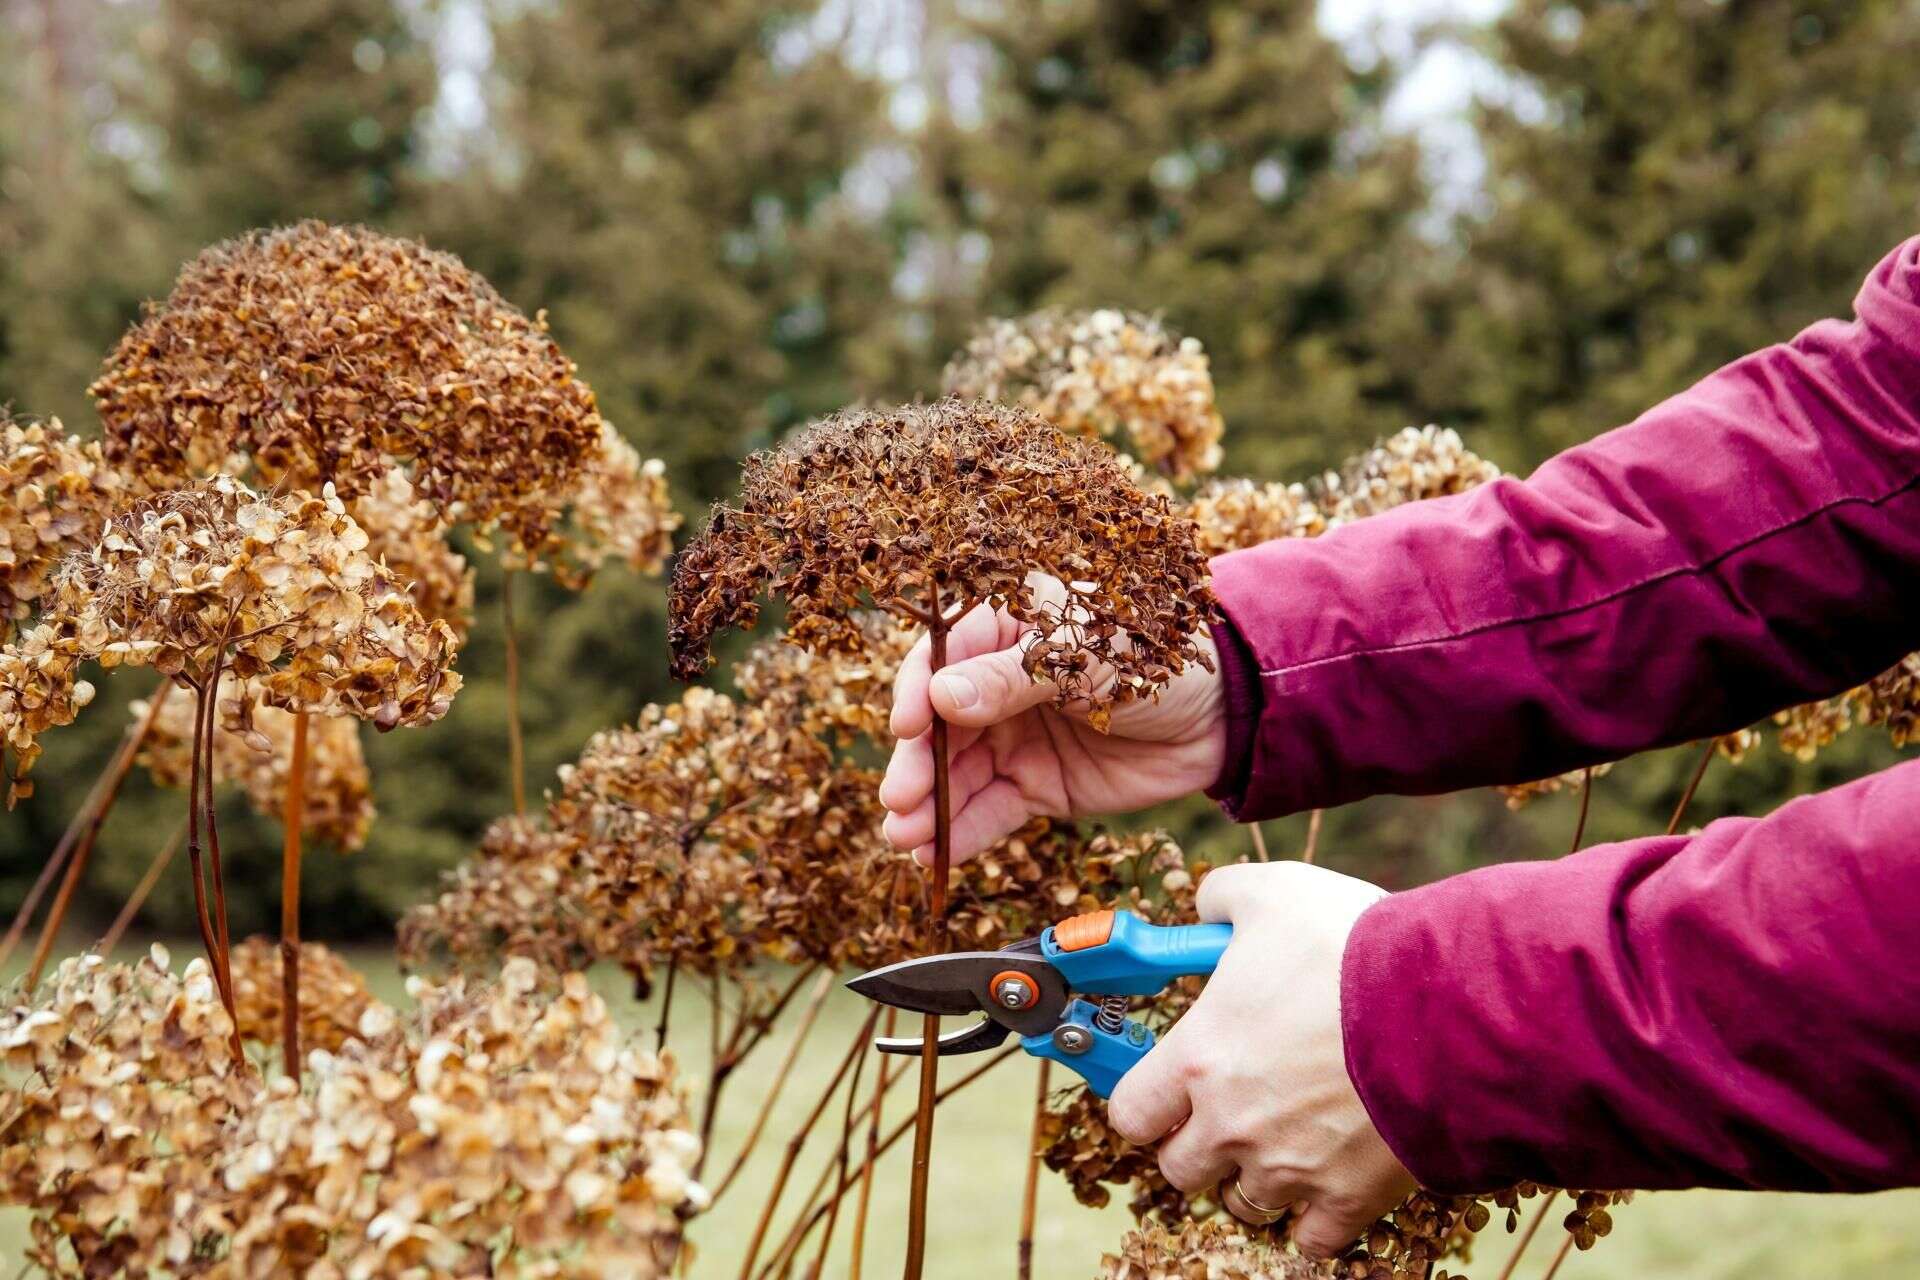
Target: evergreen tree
[[1220, 163], [665, 179], [1672, 184]]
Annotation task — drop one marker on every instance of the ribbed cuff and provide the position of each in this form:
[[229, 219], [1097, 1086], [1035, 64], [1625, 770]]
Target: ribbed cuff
[[1241, 705]]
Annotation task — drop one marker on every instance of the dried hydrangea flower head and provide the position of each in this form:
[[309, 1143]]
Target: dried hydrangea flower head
[[1212, 1250], [928, 509], [40, 689], [661, 817], [1108, 374], [1805, 729], [55, 493], [517, 896], [117, 1090], [337, 801], [1234, 514], [408, 534], [328, 355], [840, 697], [278, 589], [1412, 465], [1520, 794], [334, 999], [494, 1122], [617, 511], [1892, 698]]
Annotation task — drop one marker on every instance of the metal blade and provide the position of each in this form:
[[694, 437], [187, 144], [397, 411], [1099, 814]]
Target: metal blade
[[930, 984], [985, 1034]]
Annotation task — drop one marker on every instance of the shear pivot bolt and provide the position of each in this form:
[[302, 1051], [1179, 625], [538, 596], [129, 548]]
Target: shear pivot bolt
[[1013, 989], [1072, 1039]]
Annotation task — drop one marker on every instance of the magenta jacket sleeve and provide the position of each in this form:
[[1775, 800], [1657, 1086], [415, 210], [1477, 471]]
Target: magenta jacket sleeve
[[1738, 1008], [1752, 543]]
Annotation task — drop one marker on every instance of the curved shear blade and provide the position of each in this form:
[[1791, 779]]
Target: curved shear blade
[[985, 1034], [930, 984]]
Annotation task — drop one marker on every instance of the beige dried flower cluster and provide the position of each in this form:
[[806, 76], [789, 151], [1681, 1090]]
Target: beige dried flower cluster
[[841, 697], [337, 801], [1211, 1250], [1231, 515], [408, 534], [55, 493], [40, 689], [930, 508], [334, 998], [1105, 374], [495, 1131], [279, 591], [1520, 794], [618, 511]]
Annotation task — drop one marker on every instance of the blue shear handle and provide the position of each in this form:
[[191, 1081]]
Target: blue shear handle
[[1108, 1056], [1138, 958]]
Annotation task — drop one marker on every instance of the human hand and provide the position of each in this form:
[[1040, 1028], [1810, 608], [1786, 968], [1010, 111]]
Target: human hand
[[1015, 756], [1250, 1086]]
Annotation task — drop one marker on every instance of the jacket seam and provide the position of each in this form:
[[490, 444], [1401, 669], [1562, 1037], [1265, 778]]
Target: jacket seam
[[1705, 567]]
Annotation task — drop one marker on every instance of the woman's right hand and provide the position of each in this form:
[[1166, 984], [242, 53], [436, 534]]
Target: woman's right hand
[[1015, 756]]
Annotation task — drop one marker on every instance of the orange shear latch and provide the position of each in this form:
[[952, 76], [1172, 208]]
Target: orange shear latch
[[1083, 931]]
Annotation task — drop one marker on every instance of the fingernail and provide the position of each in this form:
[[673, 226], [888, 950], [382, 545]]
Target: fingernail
[[960, 691]]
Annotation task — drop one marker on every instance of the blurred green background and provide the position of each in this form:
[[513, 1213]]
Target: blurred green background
[[1527, 220]]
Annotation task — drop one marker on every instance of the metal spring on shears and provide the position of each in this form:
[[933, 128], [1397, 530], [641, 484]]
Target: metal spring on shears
[[1112, 1017]]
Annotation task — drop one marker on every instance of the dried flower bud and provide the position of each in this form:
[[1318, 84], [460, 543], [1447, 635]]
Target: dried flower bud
[[1105, 374]]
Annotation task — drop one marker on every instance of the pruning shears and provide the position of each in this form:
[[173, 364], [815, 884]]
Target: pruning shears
[[1063, 993]]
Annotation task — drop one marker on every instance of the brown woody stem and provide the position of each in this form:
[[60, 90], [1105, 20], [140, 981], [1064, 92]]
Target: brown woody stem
[[815, 1000], [1030, 1197], [813, 1211], [798, 1139], [840, 1156], [83, 849], [937, 944], [292, 821], [1553, 1268], [1586, 805], [1313, 835], [141, 891], [1259, 841], [224, 961], [516, 750], [1526, 1237], [666, 1003], [859, 1245], [1693, 785]]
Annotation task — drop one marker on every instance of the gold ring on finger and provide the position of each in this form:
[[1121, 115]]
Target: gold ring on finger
[[1261, 1211]]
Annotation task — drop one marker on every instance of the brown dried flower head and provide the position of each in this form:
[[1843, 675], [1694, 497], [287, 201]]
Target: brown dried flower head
[[40, 689], [618, 510], [1805, 729], [930, 508], [329, 355], [279, 589], [1892, 698], [1520, 794], [334, 999], [839, 697], [1105, 374], [1234, 514], [55, 493], [337, 801], [516, 897]]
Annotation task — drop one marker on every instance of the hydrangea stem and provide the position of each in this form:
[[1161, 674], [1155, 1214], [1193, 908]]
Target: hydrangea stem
[[1030, 1197], [1313, 835], [55, 863], [516, 749], [937, 944], [858, 1248], [815, 1000], [1586, 804], [293, 819], [1693, 785], [83, 848], [857, 1050], [839, 1160], [1526, 1237], [141, 891]]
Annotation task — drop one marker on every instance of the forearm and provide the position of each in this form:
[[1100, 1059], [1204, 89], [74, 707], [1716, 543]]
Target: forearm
[[1751, 543], [1738, 1008]]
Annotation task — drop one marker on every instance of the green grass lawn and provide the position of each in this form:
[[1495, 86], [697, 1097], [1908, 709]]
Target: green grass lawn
[[978, 1165]]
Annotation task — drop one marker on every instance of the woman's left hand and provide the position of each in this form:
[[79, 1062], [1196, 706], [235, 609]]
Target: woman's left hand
[[1250, 1087]]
